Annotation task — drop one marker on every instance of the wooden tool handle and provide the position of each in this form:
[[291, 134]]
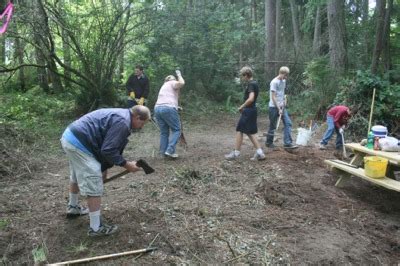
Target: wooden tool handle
[[125, 172], [105, 256], [372, 110]]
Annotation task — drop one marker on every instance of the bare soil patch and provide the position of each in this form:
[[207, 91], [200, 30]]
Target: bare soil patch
[[201, 208]]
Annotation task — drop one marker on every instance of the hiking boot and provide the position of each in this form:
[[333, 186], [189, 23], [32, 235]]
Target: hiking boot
[[231, 156], [290, 146], [75, 211], [258, 157], [104, 230], [322, 146], [270, 145], [171, 155]]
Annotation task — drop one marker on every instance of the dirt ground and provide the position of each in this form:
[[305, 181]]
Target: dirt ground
[[201, 208]]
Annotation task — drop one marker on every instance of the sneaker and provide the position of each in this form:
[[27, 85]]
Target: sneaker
[[290, 146], [171, 155], [322, 146], [75, 211], [258, 157], [104, 230], [231, 156]]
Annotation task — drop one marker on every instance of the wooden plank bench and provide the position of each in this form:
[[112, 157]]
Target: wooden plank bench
[[354, 168], [348, 170], [360, 151]]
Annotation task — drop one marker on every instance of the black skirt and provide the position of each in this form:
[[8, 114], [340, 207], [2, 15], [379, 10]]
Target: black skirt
[[248, 121]]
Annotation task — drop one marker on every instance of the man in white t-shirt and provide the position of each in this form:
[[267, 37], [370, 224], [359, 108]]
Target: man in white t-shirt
[[277, 110]]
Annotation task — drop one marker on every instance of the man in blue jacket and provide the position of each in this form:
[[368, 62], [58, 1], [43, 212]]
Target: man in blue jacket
[[93, 144]]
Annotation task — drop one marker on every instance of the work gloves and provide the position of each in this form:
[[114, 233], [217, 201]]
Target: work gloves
[[341, 130], [138, 101], [178, 73], [141, 101]]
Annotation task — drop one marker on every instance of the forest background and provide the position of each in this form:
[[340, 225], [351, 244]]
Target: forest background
[[61, 59]]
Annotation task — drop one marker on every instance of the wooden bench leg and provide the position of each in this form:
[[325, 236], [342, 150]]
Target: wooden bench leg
[[357, 159], [343, 177]]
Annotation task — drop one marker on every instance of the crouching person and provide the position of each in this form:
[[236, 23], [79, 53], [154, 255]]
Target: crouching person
[[93, 144]]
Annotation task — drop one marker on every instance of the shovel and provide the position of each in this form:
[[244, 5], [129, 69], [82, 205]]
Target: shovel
[[344, 148], [182, 139], [276, 129]]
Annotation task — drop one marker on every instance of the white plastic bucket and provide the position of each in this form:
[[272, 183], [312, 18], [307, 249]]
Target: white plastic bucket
[[303, 136]]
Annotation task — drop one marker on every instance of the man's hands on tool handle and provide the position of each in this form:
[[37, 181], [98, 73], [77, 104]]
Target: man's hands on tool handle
[[131, 166]]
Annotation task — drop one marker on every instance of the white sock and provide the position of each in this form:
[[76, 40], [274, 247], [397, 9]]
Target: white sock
[[73, 199], [237, 153], [260, 151], [95, 220]]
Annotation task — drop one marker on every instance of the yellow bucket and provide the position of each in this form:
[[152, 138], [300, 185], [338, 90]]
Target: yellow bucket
[[375, 166]]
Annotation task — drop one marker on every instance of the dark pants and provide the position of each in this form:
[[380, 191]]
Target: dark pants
[[131, 103]]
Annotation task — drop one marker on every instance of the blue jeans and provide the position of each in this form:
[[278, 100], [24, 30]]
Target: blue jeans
[[329, 132], [168, 120], [273, 114]]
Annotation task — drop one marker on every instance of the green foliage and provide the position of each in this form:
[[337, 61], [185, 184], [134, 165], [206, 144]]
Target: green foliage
[[36, 111], [81, 247], [320, 88], [357, 94], [39, 254], [203, 40], [4, 223]]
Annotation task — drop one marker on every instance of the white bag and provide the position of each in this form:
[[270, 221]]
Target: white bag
[[389, 144], [303, 136]]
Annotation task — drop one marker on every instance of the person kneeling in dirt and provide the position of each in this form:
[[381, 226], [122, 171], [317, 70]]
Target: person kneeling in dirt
[[93, 144], [336, 120], [248, 119]]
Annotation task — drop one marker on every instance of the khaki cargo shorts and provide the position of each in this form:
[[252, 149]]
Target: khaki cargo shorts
[[85, 170]]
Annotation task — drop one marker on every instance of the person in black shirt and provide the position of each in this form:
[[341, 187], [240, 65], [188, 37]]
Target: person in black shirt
[[137, 87], [248, 119]]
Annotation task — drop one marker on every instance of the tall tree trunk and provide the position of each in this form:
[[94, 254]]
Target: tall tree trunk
[[254, 10], [19, 55], [295, 25], [337, 33], [2, 38], [270, 46], [40, 58], [48, 49], [41, 72], [380, 22], [3, 49], [120, 68], [317, 33], [386, 38], [278, 24], [66, 48], [364, 25]]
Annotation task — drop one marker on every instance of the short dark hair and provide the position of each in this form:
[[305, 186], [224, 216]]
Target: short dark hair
[[140, 67]]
